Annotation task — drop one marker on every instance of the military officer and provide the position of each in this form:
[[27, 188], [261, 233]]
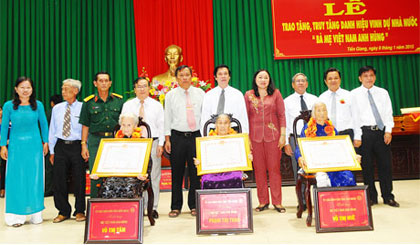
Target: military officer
[[99, 115]]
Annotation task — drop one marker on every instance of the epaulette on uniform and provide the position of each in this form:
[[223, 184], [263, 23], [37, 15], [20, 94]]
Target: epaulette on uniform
[[117, 95], [88, 98]]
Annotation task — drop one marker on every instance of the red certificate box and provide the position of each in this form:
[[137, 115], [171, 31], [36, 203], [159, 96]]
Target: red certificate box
[[166, 180], [87, 184], [116, 220], [224, 211], [341, 209]]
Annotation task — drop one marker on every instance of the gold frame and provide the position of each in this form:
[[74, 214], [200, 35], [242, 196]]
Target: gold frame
[[145, 164], [245, 137], [349, 145]]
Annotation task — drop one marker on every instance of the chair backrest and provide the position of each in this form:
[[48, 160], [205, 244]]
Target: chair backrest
[[140, 124], [305, 116], [212, 121]]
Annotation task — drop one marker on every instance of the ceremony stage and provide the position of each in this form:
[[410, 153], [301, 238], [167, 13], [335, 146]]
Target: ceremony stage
[[391, 225]]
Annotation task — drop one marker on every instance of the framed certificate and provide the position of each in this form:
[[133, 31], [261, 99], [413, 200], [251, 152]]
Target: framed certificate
[[223, 211], [114, 221], [342, 209], [328, 154], [122, 157], [219, 154]]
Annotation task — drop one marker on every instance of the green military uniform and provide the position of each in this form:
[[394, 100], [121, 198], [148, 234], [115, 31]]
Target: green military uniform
[[101, 118]]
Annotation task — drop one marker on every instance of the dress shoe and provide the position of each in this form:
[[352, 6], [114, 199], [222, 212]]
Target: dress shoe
[[373, 202], [60, 218], [80, 217], [155, 214], [392, 203], [261, 208]]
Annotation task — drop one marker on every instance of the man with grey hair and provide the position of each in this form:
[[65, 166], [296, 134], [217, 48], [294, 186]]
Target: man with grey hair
[[299, 101], [65, 148]]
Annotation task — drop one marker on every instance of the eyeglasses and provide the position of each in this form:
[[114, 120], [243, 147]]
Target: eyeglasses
[[140, 87]]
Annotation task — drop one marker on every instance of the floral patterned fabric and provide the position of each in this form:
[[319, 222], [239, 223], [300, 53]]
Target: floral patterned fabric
[[123, 187]]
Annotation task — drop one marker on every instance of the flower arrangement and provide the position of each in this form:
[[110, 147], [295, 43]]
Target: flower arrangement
[[214, 132], [311, 130], [159, 89], [136, 133]]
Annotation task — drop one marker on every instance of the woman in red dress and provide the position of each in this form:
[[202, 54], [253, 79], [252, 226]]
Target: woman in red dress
[[267, 125]]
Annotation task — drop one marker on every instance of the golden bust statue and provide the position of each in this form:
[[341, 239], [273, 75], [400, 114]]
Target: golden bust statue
[[173, 56]]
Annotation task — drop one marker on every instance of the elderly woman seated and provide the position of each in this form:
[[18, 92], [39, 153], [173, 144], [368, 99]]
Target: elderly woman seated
[[319, 125], [126, 187], [233, 179]]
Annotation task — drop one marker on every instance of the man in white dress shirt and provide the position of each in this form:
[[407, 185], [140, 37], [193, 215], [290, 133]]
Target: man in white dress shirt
[[152, 113], [65, 152], [338, 102], [182, 126], [224, 99], [373, 114], [299, 101]]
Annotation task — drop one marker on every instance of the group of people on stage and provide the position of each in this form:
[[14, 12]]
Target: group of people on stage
[[76, 129]]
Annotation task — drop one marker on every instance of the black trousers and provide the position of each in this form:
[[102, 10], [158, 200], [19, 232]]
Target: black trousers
[[373, 146], [68, 159], [2, 173], [183, 150], [48, 181], [348, 132]]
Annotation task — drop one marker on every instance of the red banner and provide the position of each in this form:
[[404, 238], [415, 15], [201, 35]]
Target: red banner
[[114, 221], [319, 29], [342, 209], [186, 23]]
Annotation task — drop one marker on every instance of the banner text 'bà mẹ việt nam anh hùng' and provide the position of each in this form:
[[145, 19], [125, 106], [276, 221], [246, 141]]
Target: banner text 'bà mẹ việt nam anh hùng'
[[339, 28]]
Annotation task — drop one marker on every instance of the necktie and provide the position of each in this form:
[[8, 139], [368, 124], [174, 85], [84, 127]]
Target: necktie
[[221, 105], [303, 104], [141, 112], [67, 122], [190, 112], [375, 111], [333, 108]]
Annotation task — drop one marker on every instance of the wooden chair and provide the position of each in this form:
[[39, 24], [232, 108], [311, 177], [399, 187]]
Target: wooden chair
[[147, 184], [212, 121], [308, 179]]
